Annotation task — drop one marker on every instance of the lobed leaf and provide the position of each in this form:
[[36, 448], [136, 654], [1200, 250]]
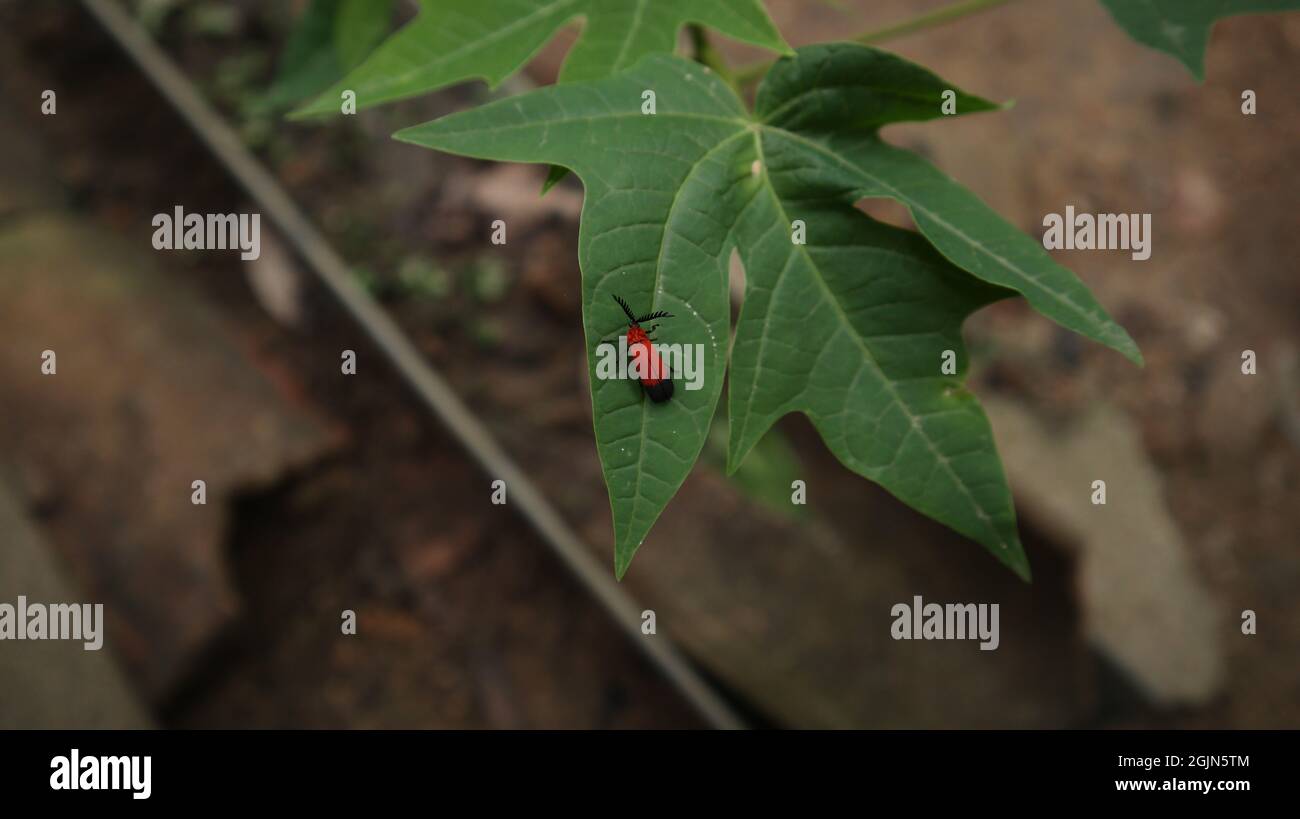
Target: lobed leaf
[[456, 40], [1181, 28], [850, 327]]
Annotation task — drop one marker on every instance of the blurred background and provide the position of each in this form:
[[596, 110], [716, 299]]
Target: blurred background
[[328, 493]]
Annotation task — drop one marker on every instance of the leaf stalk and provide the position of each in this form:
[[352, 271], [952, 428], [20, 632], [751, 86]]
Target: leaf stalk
[[704, 53]]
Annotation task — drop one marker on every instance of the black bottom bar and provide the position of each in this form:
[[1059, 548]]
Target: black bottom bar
[[334, 769]]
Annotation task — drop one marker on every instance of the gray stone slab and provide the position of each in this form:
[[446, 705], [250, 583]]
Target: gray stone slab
[[49, 683]]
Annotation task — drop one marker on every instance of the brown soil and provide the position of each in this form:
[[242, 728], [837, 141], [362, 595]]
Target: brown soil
[[465, 618], [362, 531]]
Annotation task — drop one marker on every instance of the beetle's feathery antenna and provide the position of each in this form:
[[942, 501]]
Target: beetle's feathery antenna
[[630, 315], [658, 314]]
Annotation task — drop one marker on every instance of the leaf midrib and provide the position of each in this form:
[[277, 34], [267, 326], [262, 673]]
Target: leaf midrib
[[631, 33], [487, 39], [975, 245], [868, 356], [654, 303], [890, 91]]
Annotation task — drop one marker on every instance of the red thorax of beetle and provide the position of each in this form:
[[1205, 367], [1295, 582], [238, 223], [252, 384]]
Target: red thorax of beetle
[[646, 362]]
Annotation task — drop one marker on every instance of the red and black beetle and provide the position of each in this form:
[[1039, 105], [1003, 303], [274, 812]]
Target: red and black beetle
[[648, 366]]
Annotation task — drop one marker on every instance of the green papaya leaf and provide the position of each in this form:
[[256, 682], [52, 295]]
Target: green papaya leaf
[[456, 40], [1182, 27], [826, 110], [331, 38], [554, 176], [851, 327], [359, 26]]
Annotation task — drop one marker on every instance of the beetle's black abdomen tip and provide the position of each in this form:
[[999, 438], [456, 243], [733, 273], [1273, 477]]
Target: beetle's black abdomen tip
[[660, 392]]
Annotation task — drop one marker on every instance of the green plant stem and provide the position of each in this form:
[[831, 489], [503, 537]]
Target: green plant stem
[[706, 54], [932, 19]]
